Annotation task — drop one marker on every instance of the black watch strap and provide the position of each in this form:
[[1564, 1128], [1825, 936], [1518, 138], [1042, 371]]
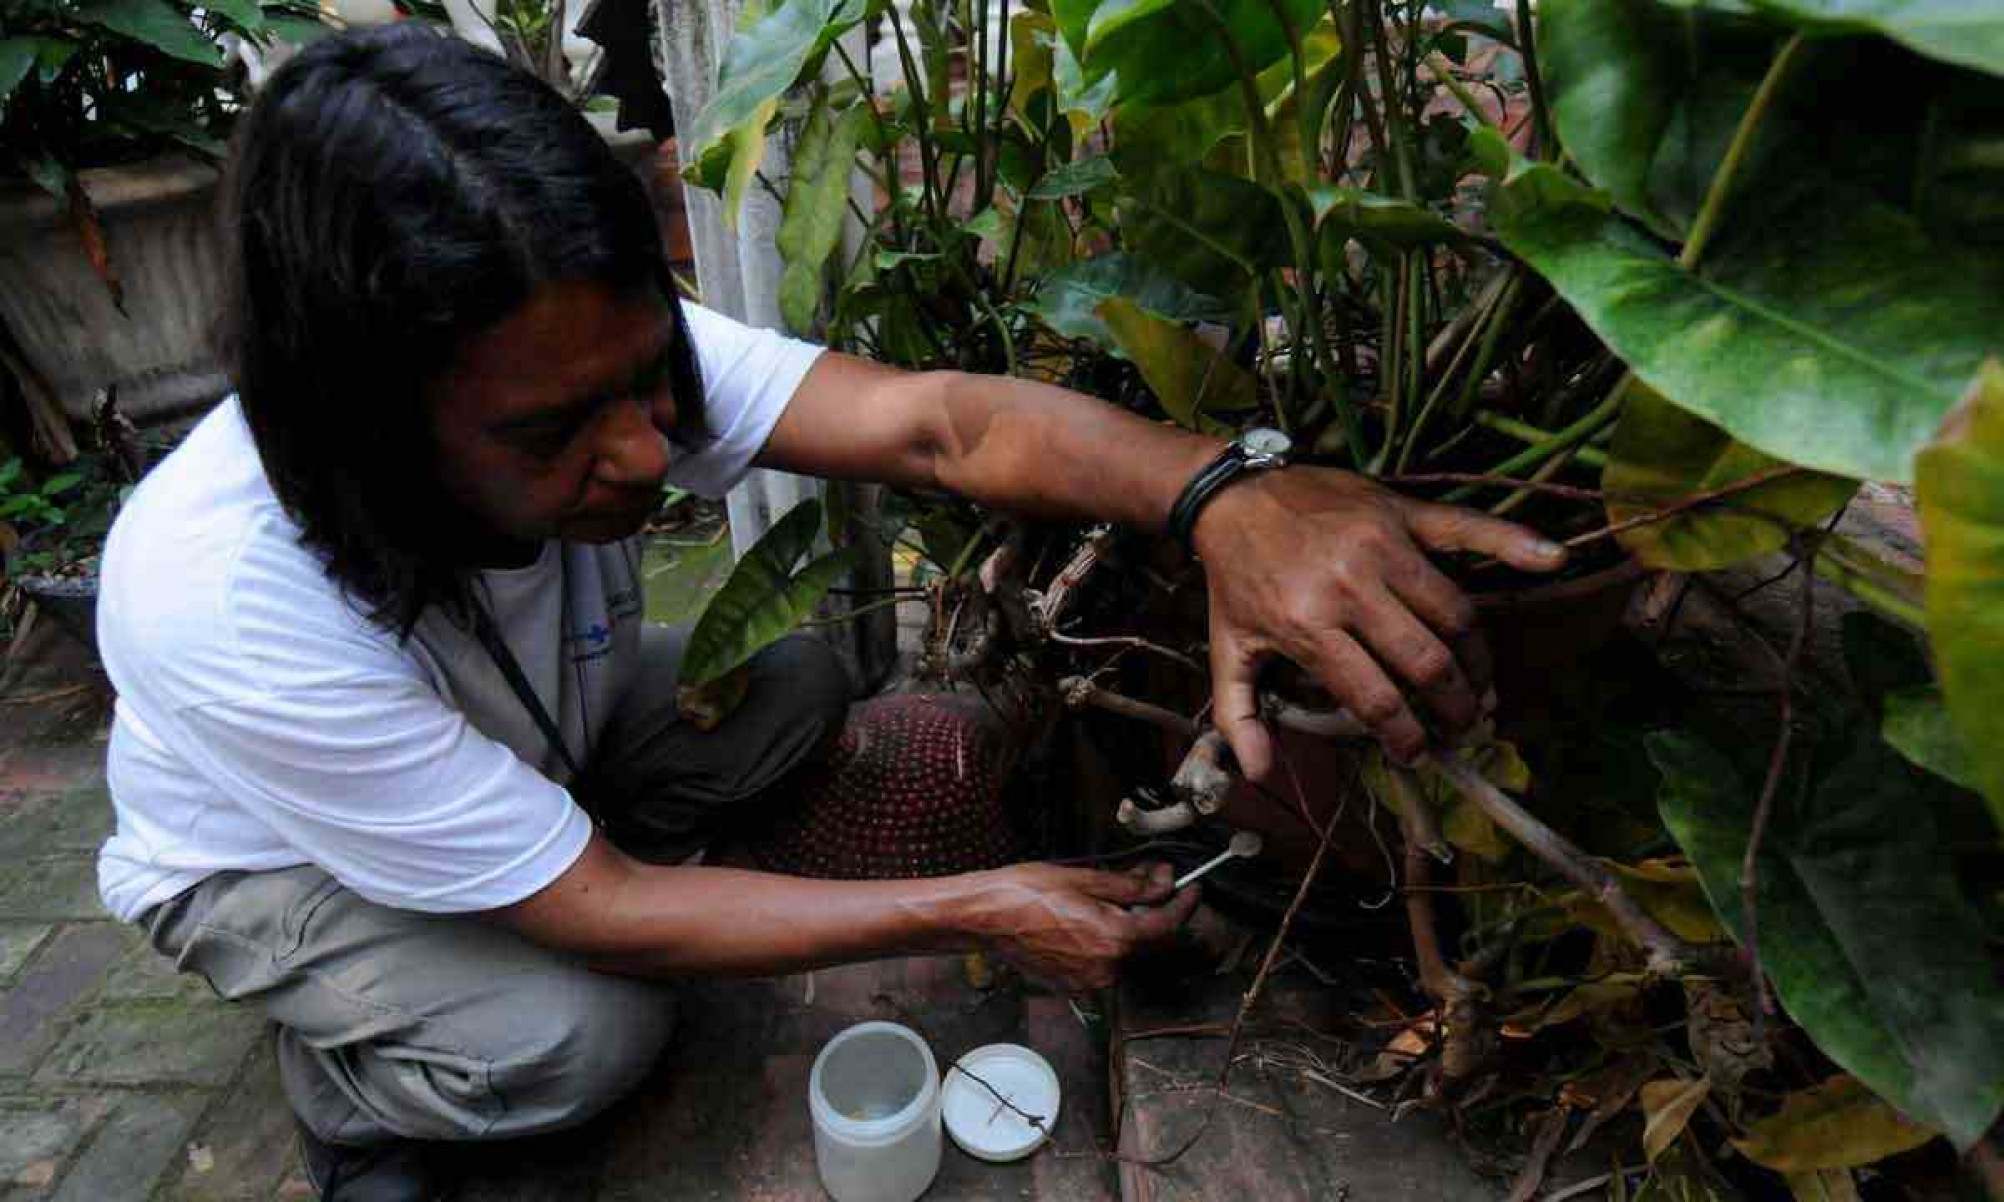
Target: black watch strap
[[1230, 464]]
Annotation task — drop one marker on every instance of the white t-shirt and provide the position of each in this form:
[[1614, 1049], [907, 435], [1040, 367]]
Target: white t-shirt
[[263, 722]]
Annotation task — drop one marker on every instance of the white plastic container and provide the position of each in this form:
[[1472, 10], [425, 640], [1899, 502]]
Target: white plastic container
[[874, 1098]]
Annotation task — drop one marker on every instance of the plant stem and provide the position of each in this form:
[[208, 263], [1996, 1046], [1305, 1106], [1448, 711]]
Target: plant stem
[[1541, 116], [1668, 955], [1566, 439], [922, 110], [1722, 180], [1524, 431]]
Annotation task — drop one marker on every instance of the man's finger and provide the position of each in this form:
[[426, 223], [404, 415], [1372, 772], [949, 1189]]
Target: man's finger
[[1449, 613], [1159, 922], [1235, 705], [1355, 679], [1447, 528], [1416, 655]]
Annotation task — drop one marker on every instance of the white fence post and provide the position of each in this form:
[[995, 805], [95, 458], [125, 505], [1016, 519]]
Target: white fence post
[[738, 275]]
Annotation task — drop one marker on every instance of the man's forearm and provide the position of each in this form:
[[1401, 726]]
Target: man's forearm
[[654, 920], [1039, 449]]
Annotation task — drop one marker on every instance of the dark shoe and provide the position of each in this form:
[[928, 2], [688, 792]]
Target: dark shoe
[[393, 1172]]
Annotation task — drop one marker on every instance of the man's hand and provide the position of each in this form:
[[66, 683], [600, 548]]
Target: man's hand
[[1071, 927], [1329, 570]]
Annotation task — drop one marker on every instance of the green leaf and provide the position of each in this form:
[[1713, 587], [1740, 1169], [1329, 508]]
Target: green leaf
[[1074, 179], [245, 15], [156, 23], [1067, 300], [1662, 454], [1188, 376], [1210, 230], [1961, 500], [1836, 1125], [1966, 32], [770, 51], [1645, 99], [1870, 944], [1823, 325], [52, 54], [1835, 338], [1917, 724], [1168, 50], [1031, 35], [61, 483], [17, 58], [764, 598], [817, 199]]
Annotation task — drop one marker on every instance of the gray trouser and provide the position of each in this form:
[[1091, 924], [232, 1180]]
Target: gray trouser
[[394, 1023]]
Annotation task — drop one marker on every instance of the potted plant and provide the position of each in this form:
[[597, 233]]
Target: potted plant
[[112, 116], [1644, 274]]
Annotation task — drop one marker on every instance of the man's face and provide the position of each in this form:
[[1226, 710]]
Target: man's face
[[551, 424]]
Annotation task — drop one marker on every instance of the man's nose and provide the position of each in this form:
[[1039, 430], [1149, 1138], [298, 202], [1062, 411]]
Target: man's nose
[[631, 449]]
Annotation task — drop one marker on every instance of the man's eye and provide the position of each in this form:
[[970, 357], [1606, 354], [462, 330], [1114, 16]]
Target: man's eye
[[543, 442]]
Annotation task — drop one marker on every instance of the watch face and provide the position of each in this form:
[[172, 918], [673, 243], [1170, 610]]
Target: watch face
[[1264, 440]]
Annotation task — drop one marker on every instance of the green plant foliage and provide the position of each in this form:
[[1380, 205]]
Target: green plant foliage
[[1163, 51], [1661, 453], [1965, 32], [1818, 326], [156, 23], [764, 599], [1917, 724], [1189, 377], [1213, 231], [1074, 179], [1870, 945], [770, 51], [817, 200], [1068, 300], [1834, 340], [1961, 496]]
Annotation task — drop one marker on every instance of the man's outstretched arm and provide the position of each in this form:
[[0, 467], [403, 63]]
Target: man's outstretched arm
[[1315, 565]]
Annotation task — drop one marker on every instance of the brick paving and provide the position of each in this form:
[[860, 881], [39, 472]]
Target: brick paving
[[122, 1079]]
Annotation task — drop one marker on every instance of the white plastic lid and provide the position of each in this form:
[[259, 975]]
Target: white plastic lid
[[979, 1121]]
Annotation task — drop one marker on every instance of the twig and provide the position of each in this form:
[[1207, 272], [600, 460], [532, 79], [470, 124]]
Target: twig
[[1078, 691], [1581, 1188], [1708, 497], [1125, 640], [1462, 1047], [1668, 955], [1777, 762]]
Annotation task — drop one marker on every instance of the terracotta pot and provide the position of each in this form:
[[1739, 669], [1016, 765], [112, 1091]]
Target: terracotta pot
[[1537, 632], [160, 229]]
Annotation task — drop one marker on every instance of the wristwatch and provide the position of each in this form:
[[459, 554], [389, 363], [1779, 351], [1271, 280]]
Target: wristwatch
[[1258, 449]]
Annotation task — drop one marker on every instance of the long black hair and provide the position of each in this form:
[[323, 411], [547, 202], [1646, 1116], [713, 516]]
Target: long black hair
[[391, 193]]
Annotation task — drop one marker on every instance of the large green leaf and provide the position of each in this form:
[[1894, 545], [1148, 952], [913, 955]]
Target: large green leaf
[[154, 22], [1169, 50], [1961, 495], [1917, 724], [768, 54], [1835, 337], [1966, 32], [1822, 325], [1188, 375], [1646, 99], [1210, 230], [1067, 300], [1870, 943], [763, 599], [817, 198], [1662, 454]]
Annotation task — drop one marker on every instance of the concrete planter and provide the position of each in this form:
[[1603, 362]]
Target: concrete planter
[[160, 227]]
